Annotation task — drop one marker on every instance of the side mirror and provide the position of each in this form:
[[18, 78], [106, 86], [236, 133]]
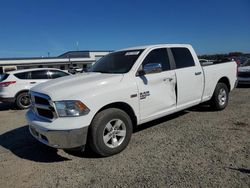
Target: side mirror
[[149, 68], [140, 73], [152, 68]]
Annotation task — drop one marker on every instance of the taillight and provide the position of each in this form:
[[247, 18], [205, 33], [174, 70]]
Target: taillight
[[6, 84], [238, 62]]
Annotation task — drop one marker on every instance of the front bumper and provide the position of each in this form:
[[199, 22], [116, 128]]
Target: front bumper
[[64, 139]]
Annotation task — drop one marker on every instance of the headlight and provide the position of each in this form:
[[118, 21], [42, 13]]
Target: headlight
[[71, 108]]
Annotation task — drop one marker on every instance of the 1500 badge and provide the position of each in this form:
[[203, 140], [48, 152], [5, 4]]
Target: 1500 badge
[[145, 94]]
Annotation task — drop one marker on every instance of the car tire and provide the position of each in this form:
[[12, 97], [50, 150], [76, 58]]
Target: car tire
[[110, 132], [220, 97], [22, 100]]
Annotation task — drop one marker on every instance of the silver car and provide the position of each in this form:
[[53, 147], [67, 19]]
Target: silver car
[[244, 73]]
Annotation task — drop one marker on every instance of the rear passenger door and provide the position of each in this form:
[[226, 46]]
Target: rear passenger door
[[23, 80], [190, 79], [38, 76]]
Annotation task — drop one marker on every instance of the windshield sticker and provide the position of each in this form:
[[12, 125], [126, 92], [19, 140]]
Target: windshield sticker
[[133, 53]]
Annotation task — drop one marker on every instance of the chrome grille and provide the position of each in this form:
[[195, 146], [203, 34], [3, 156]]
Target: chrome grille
[[43, 106]]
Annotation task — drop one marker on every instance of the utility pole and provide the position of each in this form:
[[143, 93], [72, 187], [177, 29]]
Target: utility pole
[[77, 46]]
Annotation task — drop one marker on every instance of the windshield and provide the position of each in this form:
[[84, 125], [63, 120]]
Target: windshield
[[117, 62], [247, 63]]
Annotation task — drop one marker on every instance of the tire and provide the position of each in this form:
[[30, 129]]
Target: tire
[[220, 97], [110, 132], [22, 100]]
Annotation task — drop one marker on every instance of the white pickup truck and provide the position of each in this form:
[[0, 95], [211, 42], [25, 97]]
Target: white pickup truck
[[122, 90]]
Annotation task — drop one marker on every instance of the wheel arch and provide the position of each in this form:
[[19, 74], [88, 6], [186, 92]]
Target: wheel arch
[[122, 106], [226, 81], [22, 91]]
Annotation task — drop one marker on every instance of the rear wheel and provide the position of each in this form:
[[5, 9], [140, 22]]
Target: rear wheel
[[220, 97], [110, 132], [23, 100]]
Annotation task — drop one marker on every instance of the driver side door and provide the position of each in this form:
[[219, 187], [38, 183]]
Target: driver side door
[[157, 88]]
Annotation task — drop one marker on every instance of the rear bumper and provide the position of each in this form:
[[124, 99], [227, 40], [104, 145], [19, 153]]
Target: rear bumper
[[243, 80], [10, 99]]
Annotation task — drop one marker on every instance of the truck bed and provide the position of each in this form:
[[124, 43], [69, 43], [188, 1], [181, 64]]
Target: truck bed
[[215, 71], [214, 62]]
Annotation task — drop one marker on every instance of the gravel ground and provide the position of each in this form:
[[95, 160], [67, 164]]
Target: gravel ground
[[194, 148]]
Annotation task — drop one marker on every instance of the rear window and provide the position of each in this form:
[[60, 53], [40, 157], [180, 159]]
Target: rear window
[[23, 75], [41, 74], [3, 77], [57, 74], [183, 58]]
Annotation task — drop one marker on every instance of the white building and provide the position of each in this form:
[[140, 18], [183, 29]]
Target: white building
[[71, 59]]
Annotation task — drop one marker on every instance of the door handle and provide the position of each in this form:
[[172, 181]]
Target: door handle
[[197, 73], [32, 82], [169, 79]]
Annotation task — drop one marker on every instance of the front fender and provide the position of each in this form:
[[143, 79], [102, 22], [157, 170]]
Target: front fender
[[96, 100]]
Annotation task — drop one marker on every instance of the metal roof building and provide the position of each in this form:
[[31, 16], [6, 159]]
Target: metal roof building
[[79, 59]]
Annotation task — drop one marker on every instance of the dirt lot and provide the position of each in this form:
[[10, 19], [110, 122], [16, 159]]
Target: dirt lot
[[194, 148]]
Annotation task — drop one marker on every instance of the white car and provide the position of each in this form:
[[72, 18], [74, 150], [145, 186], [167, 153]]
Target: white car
[[124, 89], [15, 85], [244, 73]]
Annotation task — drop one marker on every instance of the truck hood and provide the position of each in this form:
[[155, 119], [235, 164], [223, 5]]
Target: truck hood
[[69, 87], [244, 69]]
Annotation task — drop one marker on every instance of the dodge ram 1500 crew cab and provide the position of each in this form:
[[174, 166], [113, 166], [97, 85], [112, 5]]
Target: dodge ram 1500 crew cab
[[122, 90]]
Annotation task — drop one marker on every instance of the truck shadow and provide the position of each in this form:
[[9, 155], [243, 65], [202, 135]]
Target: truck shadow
[[201, 108], [242, 170], [159, 121], [22, 144], [87, 153], [7, 106], [247, 86]]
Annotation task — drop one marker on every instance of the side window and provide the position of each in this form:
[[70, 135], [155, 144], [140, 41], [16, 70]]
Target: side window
[[23, 75], [57, 74], [158, 56], [41, 74], [183, 58]]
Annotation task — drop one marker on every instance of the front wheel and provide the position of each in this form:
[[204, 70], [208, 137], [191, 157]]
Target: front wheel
[[110, 132], [23, 100], [220, 97]]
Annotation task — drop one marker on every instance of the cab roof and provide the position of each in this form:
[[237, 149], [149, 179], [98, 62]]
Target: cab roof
[[156, 45]]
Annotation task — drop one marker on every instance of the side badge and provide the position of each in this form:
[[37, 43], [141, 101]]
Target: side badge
[[145, 94]]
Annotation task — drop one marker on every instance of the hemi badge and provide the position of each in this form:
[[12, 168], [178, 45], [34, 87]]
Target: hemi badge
[[134, 95]]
